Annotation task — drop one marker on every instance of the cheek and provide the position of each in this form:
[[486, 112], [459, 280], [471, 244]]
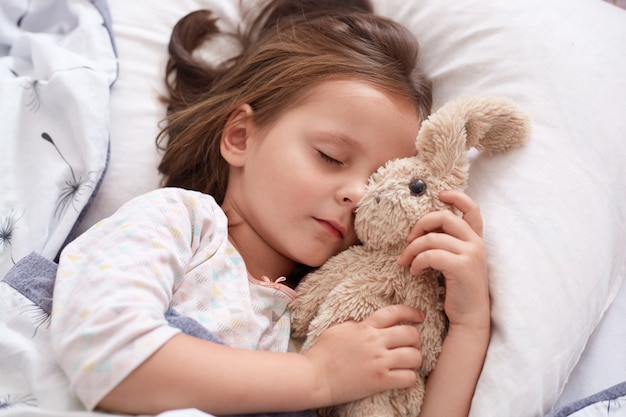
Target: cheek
[[298, 179], [301, 187]]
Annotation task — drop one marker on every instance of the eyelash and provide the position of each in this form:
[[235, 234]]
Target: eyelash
[[329, 159]]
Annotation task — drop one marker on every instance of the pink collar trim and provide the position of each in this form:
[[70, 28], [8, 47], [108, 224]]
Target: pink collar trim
[[266, 282]]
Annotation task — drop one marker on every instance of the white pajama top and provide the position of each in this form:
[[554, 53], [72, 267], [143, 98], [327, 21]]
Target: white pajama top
[[166, 249]]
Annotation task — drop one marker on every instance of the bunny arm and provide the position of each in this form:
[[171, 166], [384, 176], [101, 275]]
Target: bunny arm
[[311, 293], [349, 266]]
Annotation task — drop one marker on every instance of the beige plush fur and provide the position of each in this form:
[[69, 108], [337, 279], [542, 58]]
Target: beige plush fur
[[366, 277]]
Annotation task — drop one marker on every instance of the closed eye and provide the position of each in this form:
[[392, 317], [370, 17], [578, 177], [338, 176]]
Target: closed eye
[[329, 159]]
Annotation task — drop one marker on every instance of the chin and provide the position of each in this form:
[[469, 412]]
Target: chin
[[314, 264], [315, 261], [315, 257]]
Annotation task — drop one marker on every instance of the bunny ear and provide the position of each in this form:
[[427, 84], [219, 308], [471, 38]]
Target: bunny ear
[[490, 124], [494, 124]]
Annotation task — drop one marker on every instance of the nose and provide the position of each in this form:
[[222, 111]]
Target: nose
[[352, 192]]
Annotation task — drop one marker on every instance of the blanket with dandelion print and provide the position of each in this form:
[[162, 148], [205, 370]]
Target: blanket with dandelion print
[[57, 66]]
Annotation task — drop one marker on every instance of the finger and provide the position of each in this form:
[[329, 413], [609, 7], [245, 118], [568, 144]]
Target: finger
[[445, 221], [422, 237], [431, 222], [428, 242], [399, 379], [402, 336], [448, 263], [394, 314], [405, 358], [469, 209], [437, 259]]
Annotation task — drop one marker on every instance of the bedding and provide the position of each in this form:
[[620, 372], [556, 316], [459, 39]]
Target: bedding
[[609, 402], [555, 211], [57, 63]]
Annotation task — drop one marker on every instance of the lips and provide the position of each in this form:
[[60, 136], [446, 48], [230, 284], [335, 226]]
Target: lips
[[336, 229]]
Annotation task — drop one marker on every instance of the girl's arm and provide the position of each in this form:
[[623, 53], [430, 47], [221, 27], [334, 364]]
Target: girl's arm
[[350, 361], [108, 330], [114, 284], [454, 245], [450, 386]]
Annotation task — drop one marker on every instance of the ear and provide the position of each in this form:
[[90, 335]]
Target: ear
[[441, 142], [493, 124], [236, 135], [490, 124]]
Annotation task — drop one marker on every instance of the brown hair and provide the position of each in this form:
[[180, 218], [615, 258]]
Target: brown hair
[[290, 47]]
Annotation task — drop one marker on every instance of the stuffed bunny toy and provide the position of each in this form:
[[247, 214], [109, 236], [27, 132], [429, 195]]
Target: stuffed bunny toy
[[366, 277]]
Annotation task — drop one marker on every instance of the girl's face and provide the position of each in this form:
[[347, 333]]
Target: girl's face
[[294, 185]]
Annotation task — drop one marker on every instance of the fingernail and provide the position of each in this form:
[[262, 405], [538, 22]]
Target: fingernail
[[423, 315]]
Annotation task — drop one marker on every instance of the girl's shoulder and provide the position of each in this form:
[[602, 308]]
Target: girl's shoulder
[[172, 196], [174, 203], [182, 195]]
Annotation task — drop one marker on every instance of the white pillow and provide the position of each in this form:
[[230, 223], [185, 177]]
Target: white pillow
[[555, 211], [142, 30]]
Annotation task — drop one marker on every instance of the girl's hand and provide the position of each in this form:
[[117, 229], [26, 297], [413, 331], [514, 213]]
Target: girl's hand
[[355, 359], [454, 246]]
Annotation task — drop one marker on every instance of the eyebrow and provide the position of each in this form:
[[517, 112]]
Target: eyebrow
[[336, 136]]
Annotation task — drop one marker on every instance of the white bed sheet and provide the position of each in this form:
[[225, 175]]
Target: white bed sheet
[[603, 362]]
